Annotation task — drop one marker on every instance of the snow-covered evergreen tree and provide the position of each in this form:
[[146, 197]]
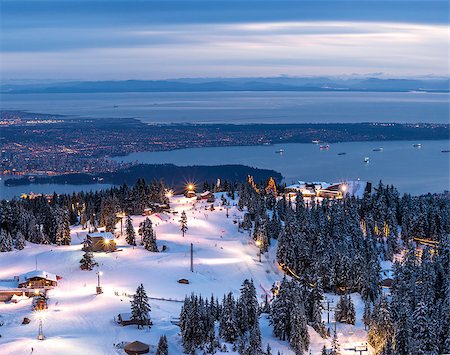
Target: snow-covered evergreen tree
[[183, 223], [148, 236], [163, 348], [130, 233], [247, 306], [140, 307]]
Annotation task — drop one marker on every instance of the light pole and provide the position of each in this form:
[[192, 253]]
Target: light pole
[[258, 244], [121, 215], [99, 288], [41, 335]]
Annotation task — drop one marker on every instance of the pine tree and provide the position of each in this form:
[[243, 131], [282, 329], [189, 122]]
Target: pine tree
[[350, 311], [228, 322], [255, 344], [87, 262], [148, 236], [183, 223], [424, 334], [335, 347], [163, 348], [366, 315], [6, 242], [130, 233], [140, 308], [299, 337], [280, 312], [247, 306], [340, 313], [20, 241], [381, 327]]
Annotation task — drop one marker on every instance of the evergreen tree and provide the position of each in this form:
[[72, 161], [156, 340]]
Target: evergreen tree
[[163, 348], [366, 314], [381, 327], [20, 241], [140, 308], [6, 241], [130, 233], [148, 236], [183, 223], [255, 344], [299, 337], [247, 306], [228, 322], [87, 262], [335, 347]]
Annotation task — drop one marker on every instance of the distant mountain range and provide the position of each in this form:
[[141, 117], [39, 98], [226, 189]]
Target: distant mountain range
[[234, 84]]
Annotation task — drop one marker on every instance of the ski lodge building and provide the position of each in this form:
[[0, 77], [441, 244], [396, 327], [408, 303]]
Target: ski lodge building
[[102, 241]]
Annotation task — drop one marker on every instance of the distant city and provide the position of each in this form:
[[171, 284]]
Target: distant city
[[47, 144]]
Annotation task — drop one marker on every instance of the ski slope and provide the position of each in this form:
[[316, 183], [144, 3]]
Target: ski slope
[[78, 321]]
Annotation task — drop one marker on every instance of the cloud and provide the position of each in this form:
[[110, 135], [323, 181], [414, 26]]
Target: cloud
[[296, 48], [152, 40]]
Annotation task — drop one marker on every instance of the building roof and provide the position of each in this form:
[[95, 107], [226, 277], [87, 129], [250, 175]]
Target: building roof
[[136, 347], [125, 316], [104, 235], [37, 273]]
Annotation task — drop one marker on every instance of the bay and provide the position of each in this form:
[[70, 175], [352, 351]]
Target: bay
[[412, 170]]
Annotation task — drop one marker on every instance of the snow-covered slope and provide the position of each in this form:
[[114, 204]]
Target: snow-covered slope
[[80, 322]]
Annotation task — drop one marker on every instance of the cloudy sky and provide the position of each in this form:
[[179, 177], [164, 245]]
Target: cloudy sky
[[98, 40]]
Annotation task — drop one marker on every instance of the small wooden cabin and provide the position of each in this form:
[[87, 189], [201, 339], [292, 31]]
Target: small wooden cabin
[[102, 241], [190, 194], [207, 195], [125, 319]]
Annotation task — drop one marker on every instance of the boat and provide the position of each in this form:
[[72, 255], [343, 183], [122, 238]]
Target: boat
[[316, 141], [417, 145], [377, 149], [366, 159], [279, 151], [445, 151], [327, 146], [342, 153]]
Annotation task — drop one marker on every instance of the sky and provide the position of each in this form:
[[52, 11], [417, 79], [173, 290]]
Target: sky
[[118, 40]]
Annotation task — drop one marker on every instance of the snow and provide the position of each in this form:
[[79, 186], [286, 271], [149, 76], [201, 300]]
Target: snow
[[78, 321]]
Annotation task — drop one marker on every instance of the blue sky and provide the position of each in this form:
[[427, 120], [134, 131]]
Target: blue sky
[[96, 40]]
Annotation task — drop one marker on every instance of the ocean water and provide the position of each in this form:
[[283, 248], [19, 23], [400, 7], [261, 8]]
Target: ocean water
[[412, 170], [242, 107]]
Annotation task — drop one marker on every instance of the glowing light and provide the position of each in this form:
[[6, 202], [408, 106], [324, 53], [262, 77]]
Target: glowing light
[[100, 273], [190, 186], [344, 187], [106, 241], [258, 243], [169, 193]]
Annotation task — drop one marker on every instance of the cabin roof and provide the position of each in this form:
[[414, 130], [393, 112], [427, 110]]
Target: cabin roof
[[37, 273], [104, 235]]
